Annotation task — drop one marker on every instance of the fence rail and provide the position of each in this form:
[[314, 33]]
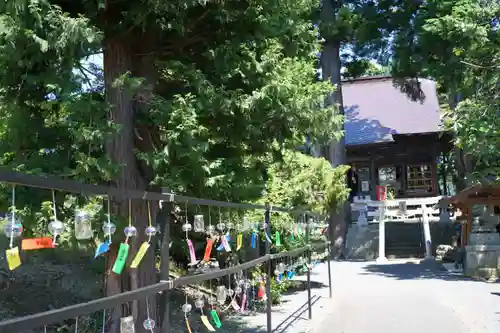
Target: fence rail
[[55, 183], [17, 325]]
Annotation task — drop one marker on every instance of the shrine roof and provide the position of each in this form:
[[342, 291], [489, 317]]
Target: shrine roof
[[482, 193], [375, 110]]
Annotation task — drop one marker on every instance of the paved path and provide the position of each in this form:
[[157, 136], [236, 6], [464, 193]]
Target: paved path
[[406, 297]]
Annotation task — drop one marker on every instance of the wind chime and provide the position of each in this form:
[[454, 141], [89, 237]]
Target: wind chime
[[243, 286], [131, 231], [108, 228], [225, 236], [13, 229]]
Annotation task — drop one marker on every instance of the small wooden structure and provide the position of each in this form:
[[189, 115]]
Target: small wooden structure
[[392, 140], [480, 194]]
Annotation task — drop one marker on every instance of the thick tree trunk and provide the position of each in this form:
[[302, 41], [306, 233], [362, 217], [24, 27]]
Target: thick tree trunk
[[331, 66], [120, 150]]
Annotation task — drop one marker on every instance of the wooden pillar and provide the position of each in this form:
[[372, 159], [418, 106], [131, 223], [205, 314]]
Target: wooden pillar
[[373, 178], [434, 171], [469, 224], [444, 174], [403, 178]]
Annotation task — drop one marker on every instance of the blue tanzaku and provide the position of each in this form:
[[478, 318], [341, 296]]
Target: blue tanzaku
[[221, 246], [102, 248], [254, 240]]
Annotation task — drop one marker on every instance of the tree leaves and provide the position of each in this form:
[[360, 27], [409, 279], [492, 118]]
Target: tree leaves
[[457, 43]]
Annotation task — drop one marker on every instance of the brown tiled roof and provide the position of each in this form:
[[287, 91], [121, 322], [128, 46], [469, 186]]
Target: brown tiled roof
[[375, 110]]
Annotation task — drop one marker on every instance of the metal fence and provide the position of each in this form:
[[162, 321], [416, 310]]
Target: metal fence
[[166, 284]]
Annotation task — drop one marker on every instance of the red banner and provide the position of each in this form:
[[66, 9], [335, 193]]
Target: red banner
[[381, 193]]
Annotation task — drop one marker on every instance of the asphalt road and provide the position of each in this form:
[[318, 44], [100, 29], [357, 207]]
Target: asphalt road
[[406, 298]]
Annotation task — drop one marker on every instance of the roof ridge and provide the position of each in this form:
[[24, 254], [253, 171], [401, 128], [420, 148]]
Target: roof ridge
[[367, 78]]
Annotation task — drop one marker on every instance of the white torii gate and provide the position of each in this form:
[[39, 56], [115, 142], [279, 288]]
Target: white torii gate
[[385, 212]]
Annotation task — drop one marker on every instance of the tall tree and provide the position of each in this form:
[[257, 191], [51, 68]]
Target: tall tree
[[357, 26]]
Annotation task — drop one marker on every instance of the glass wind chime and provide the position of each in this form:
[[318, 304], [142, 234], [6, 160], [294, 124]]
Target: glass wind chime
[[13, 229]]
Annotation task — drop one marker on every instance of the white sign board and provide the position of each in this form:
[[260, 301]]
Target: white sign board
[[365, 186]]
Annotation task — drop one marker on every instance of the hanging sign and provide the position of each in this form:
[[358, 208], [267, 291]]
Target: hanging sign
[[216, 319], [192, 253], [13, 259], [101, 248], [37, 243], [208, 249], [140, 254], [225, 243], [254, 240], [121, 258], [239, 242], [204, 320]]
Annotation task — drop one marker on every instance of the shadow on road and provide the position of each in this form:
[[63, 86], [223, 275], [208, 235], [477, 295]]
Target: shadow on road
[[414, 270], [298, 314], [300, 285]]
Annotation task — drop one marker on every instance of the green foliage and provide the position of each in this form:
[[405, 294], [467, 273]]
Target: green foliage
[[277, 289], [457, 43], [304, 181]]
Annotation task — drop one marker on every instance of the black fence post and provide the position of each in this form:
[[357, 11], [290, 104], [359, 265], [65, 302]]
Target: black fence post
[[308, 242], [269, 301], [166, 215]]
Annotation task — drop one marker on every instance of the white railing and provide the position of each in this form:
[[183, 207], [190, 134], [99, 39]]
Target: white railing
[[407, 210]]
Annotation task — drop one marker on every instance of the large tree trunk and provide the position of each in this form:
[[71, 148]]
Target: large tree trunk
[[331, 65], [118, 62]]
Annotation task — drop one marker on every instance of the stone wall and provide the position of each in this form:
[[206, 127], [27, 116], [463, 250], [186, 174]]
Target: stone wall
[[362, 242], [482, 254]]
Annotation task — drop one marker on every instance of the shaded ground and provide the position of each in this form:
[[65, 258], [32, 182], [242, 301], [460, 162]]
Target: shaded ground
[[409, 297]]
